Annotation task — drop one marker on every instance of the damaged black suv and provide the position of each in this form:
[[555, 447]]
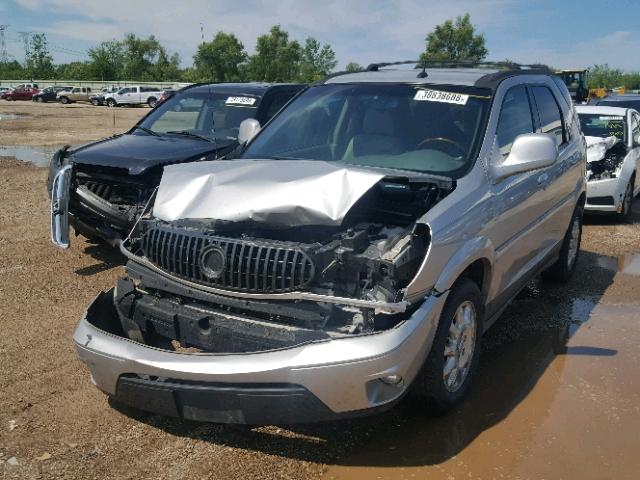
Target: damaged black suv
[[111, 180]]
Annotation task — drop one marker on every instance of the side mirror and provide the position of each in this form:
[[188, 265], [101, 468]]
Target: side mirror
[[249, 128], [528, 152]]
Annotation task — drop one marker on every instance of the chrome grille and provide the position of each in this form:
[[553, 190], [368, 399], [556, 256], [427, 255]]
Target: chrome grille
[[257, 266]]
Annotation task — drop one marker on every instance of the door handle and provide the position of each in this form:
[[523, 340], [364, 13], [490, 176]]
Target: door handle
[[543, 179]]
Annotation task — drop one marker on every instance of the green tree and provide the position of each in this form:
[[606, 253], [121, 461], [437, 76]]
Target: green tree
[[145, 59], [353, 67], [317, 60], [74, 71], [219, 60], [107, 60], [603, 76], [277, 59], [455, 41], [39, 59]]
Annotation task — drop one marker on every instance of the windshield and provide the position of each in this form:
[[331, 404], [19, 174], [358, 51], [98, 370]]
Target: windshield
[[434, 130], [207, 114], [598, 125]]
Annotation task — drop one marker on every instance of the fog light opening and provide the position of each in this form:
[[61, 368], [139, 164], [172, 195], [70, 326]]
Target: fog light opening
[[393, 380]]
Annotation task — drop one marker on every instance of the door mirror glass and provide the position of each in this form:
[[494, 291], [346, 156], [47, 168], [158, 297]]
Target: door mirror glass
[[249, 128], [528, 152]]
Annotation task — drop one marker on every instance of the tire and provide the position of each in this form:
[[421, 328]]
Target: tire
[[152, 102], [561, 271], [627, 201], [64, 100], [432, 385], [111, 103], [94, 103], [39, 100]]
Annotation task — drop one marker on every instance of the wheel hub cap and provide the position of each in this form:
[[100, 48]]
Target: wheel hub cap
[[459, 346]]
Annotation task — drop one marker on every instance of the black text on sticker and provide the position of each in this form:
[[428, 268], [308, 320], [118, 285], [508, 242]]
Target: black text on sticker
[[438, 96]]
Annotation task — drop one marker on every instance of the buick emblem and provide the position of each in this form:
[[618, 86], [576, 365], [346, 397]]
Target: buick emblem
[[213, 262]]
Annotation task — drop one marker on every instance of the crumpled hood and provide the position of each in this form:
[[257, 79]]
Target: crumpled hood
[[284, 193], [138, 153], [597, 147]]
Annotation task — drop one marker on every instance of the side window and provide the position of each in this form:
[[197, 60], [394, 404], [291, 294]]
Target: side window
[[549, 113], [515, 118], [75, 90], [278, 101]]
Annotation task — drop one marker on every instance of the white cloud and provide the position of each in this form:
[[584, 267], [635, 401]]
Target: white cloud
[[359, 30]]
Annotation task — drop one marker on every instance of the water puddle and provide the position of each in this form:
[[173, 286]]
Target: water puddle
[[10, 116], [628, 264], [38, 155]]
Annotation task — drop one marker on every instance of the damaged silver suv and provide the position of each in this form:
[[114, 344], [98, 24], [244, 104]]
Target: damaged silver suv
[[358, 249]]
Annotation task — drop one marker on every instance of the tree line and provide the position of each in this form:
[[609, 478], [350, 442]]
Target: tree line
[[277, 58]]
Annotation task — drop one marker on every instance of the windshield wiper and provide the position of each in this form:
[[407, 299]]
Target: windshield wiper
[[187, 133], [146, 130]]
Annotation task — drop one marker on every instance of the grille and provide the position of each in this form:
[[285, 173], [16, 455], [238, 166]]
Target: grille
[[256, 266], [601, 201], [113, 191]]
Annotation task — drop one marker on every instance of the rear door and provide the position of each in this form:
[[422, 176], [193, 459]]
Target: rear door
[[635, 147]]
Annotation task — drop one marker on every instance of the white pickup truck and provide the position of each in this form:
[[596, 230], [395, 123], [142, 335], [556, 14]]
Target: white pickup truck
[[134, 95]]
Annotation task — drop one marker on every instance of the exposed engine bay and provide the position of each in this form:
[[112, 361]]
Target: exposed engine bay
[[604, 157], [231, 286]]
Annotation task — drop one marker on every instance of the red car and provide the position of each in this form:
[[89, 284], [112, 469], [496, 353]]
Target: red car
[[21, 93]]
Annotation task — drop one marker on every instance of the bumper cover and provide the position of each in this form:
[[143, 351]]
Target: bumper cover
[[343, 375], [611, 187]]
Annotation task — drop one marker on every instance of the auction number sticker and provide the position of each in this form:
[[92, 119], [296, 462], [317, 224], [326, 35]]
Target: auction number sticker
[[240, 101], [611, 118], [425, 95]]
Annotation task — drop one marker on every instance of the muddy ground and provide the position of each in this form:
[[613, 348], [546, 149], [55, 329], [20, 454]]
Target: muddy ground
[[557, 395]]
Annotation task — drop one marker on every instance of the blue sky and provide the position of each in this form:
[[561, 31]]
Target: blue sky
[[563, 33]]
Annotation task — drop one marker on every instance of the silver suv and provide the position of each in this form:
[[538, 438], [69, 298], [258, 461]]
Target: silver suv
[[358, 248]]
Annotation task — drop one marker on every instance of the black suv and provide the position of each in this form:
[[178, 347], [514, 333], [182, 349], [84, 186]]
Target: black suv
[[113, 179]]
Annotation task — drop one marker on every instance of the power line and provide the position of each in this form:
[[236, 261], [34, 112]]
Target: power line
[[25, 36], [4, 57]]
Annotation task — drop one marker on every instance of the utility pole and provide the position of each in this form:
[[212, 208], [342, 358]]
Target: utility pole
[[202, 31], [4, 57], [25, 36]]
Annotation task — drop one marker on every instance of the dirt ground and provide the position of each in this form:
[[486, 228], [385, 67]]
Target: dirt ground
[[557, 395]]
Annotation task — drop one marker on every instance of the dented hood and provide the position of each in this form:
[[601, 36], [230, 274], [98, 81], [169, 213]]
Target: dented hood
[[597, 147], [284, 193]]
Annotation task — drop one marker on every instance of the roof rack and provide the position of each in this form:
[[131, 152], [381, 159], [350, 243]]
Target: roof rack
[[423, 64]]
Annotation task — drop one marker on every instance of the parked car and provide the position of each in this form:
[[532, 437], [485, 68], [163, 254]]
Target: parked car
[[21, 93], [361, 245], [613, 157], [113, 179], [75, 94], [622, 101], [98, 99], [4, 90], [134, 95], [49, 94], [165, 95]]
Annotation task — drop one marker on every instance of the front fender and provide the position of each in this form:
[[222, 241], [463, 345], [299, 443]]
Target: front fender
[[478, 248]]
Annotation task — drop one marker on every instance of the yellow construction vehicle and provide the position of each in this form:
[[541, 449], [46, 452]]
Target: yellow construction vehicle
[[576, 82]]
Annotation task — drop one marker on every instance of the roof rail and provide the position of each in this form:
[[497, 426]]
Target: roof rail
[[423, 64]]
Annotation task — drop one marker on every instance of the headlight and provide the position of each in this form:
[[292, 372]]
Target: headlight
[[55, 165]]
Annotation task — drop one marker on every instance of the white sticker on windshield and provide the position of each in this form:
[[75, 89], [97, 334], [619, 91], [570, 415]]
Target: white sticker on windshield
[[240, 101], [611, 118], [438, 96]]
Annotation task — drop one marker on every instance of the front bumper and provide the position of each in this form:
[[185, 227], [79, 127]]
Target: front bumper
[[602, 189], [310, 382]]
